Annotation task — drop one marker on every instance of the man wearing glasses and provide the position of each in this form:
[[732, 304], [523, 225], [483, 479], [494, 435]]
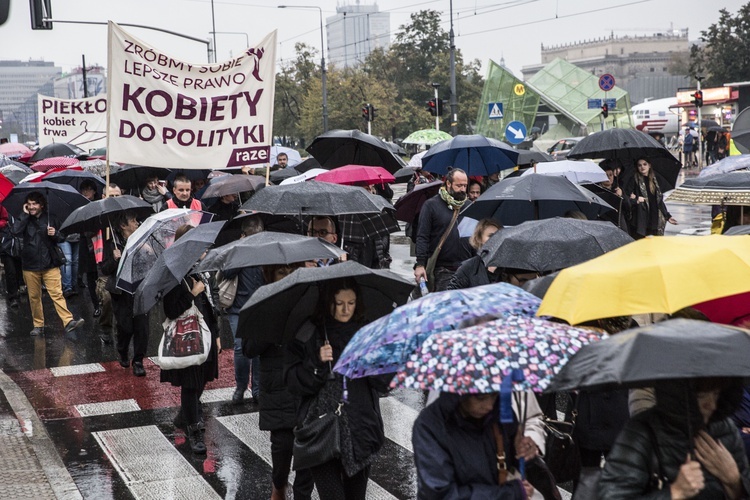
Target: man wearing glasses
[[322, 226]]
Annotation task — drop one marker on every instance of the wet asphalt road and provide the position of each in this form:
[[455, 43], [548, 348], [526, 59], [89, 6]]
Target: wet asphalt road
[[114, 431]]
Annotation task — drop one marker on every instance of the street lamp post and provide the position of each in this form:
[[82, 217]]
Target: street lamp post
[[322, 60], [454, 100]]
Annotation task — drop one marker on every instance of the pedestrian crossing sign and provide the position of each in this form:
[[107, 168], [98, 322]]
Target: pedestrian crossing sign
[[495, 110]]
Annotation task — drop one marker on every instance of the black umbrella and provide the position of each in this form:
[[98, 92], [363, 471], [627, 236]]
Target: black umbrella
[[627, 146], [308, 164], [192, 174], [404, 175], [134, 176], [540, 285], [173, 265], [232, 184], [275, 312], [14, 176], [61, 199], [268, 248], [669, 350], [75, 178], [285, 173], [396, 148], [58, 149], [275, 223], [408, 206], [552, 244], [533, 197], [6, 163], [337, 148], [525, 157], [98, 214]]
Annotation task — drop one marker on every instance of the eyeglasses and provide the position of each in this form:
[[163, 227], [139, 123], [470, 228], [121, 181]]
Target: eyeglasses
[[321, 233]]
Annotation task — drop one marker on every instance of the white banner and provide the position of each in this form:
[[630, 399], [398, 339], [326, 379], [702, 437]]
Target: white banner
[[173, 114], [82, 122]]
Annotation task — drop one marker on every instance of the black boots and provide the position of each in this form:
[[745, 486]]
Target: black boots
[[195, 438]]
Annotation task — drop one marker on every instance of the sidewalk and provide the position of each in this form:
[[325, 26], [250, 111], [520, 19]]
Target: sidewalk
[[31, 467]]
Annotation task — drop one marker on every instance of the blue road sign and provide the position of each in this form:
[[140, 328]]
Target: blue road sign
[[515, 132], [495, 110], [611, 103], [595, 103], [606, 82]]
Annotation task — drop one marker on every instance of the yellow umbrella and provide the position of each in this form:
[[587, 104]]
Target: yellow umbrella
[[653, 275]]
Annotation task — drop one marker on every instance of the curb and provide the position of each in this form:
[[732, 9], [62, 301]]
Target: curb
[[59, 478]]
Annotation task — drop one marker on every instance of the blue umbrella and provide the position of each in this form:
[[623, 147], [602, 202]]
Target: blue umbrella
[[383, 346], [474, 154]]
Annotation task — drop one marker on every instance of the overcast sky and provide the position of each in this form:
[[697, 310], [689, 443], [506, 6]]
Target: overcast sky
[[485, 29]]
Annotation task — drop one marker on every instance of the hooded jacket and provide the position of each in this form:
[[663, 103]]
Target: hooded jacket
[[666, 432]]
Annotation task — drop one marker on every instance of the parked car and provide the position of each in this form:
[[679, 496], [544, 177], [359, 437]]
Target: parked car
[[561, 148]]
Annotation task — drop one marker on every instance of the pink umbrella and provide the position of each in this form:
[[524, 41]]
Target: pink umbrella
[[55, 161], [730, 310], [13, 149], [357, 175]]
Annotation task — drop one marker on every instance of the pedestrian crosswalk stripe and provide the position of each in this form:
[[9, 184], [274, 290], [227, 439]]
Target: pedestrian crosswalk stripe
[[150, 465], [245, 428], [398, 421], [65, 371], [107, 407]]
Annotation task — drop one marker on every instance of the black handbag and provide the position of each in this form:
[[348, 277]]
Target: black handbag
[[318, 440], [58, 256], [561, 451]]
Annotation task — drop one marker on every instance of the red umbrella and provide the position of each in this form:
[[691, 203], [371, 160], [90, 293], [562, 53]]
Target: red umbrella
[[359, 175], [26, 157], [5, 186], [52, 171], [730, 310], [55, 161], [14, 149]]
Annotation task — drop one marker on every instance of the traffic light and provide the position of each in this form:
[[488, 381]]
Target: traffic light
[[698, 98], [605, 110], [440, 105], [372, 113], [432, 107], [366, 112], [40, 9]]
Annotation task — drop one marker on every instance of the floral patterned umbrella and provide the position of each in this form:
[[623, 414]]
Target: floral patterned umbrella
[[475, 360], [427, 137], [385, 345]]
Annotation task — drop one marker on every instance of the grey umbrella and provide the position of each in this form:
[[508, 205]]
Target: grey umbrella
[[173, 265], [268, 248], [232, 184], [552, 244], [275, 312]]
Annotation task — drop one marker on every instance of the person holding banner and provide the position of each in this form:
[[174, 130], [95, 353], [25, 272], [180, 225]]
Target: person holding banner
[[183, 195]]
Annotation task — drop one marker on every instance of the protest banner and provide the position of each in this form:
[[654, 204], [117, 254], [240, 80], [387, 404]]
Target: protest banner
[[82, 122], [169, 113]]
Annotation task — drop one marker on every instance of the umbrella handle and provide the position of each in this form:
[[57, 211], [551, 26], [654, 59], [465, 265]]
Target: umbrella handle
[[331, 375]]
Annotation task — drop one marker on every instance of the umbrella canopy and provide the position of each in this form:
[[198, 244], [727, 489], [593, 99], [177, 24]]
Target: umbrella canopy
[[303, 177], [6, 162], [731, 310], [61, 199], [726, 165], [14, 149], [526, 156], [99, 152], [351, 175], [134, 176], [58, 149], [427, 137], [552, 244], [532, 197], [627, 146], [6, 186], [75, 178], [396, 148], [737, 230], [275, 223], [173, 265], [337, 148], [732, 188], [53, 162], [267, 248], [416, 160], [13, 175], [577, 172], [307, 164], [652, 275], [277, 176], [408, 206], [97, 167], [99, 214], [276, 311], [292, 155], [404, 175], [232, 184], [669, 350], [474, 154], [149, 241], [384, 345], [475, 360], [539, 286]]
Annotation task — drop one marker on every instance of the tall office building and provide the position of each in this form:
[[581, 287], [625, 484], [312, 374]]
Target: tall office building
[[355, 31], [20, 82]]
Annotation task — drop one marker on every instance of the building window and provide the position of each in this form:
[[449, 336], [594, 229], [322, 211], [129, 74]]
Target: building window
[[652, 70]]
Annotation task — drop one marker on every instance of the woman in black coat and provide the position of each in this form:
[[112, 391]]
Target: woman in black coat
[[653, 455], [307, 373], [193, 289], [473, 272], [649, 214], [278, 406]]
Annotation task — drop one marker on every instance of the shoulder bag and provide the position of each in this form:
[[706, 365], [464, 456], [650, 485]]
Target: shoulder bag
[[227, 291], [318, 439], [432, 261], [561, 454], [186, 341]]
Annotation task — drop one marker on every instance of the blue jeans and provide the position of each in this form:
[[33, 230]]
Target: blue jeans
[[242, 364], [70, 270]]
